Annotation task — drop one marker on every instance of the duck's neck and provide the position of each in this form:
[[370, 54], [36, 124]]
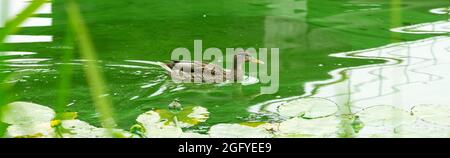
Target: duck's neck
[[238, 73]]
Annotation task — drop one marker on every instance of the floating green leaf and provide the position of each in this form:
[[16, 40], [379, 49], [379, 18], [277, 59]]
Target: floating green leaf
[[138, 130], [435, 114], [157, 128], [377, 132], [385, 115], [188, 117], [357, 124], [81, 129], [165, 123], [422, 130], [193, 135], [238, 131], [66, 116], [20, 113], [29, 120], [308, 108], [253, 124], [381, 121], [320, 127], [419, 129], [32, 130]]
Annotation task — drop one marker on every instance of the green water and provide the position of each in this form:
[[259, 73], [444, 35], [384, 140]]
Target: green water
[[306, 31]]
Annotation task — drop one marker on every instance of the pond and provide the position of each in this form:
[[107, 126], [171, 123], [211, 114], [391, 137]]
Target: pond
[[359, 54]]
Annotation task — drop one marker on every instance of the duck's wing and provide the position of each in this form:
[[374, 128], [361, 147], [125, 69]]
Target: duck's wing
[[193, 65], [204, 67], [214, 69]]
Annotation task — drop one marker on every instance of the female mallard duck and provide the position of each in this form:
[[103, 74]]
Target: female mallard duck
[[208, 72]]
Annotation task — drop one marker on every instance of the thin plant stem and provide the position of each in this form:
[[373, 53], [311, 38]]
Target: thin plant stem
[[12, 26], [93, 74], [66, 74]]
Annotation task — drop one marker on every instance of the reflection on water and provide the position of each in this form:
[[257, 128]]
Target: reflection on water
[[287, 30], [132, 41], [356, 7], [440, 10], [439, 27], [27, 39], [421, 77], [415, 73], [11, 53]]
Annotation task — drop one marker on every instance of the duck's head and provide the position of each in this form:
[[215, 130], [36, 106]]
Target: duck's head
[[248, 57]]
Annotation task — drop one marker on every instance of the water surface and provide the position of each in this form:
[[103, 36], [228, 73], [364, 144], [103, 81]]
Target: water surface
[[130, 35]]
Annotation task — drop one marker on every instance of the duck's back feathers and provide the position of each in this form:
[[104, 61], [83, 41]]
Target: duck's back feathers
[[206, 71]]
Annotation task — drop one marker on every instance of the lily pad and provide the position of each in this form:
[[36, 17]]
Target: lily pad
[[308, 108], [422, 130], [300, 127], [29, 120], [188, 117], [193, 135], [81, 129], [435, 114], [253, 124], [238, 131], [37, 130], [385, 115], [418, 129], [66, 116], [155, 127], [20, 113], [376, 132], [168, 124]]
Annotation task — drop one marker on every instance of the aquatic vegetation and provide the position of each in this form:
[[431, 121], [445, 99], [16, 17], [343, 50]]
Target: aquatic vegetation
[[32, 120], [315, 128], [365, 100], [420, 130], [80, 129], [93, 74], [385, 116], [166, 123], [434, 114], [238, 131], [12, 26], [379, 97], [388, 121], [20, 113], [308, 108], [27, 120]]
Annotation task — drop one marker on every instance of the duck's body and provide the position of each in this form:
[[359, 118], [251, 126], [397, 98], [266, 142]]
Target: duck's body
[[196, 71], [204, 72]]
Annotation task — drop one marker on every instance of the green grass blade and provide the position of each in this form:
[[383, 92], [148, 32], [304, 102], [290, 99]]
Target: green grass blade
[[12, 26], [93, 74], [66, 74]]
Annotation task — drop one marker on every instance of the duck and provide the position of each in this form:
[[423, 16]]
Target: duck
[[208, 72]]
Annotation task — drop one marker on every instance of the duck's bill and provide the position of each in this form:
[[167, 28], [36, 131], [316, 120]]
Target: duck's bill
[[256, 61]]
